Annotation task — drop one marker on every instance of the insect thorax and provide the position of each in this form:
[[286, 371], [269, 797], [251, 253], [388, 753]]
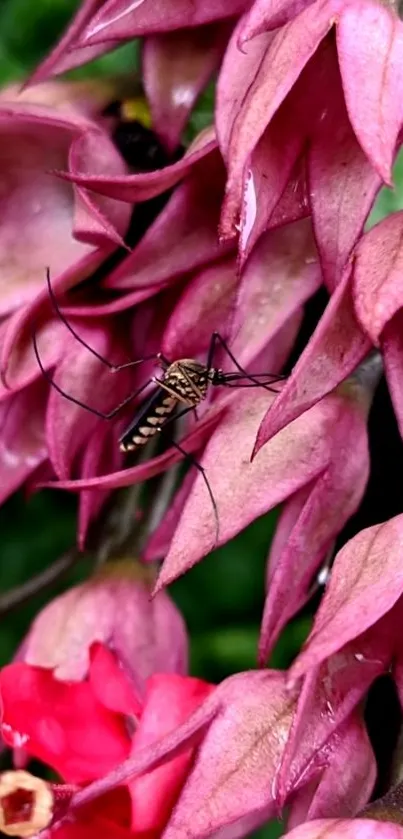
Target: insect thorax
[[187, 379]]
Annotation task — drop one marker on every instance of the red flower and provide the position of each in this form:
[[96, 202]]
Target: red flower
[[83, 730]]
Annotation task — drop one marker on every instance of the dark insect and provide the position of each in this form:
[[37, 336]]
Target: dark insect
[[183, 383]]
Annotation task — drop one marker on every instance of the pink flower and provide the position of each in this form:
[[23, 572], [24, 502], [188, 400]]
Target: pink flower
[[114, 608], [82, 730]]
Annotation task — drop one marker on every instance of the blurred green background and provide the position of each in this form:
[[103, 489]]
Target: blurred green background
[[222, 598]]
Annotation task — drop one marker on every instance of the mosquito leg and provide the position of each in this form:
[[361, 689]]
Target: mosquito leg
[[105, 416], [266, 385], [192, 460], [113, 367], [217, 338]]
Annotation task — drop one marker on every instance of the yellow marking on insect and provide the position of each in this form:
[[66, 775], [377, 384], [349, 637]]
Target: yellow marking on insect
[[136, 109]]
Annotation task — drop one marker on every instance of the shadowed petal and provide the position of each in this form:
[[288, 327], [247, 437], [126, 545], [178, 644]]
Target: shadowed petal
[[176, 67], [183, 236]]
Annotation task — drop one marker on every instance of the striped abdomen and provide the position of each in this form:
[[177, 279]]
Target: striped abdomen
[[150, 417]]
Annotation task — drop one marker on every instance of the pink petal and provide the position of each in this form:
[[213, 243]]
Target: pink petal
[[36, 202], [366, 582], [333, 499], [238, 758], [114, 609], [22, 446], [329, 694], [286, 55], [342, 182], [143, 186], [203, 307], [247, 490], [273, 287], [377, 275], [335, 349], [18, 364], [232, 87], [347, 829], [69, 426], [374, 105], [176, 67], [183, 237], [122, 19], [347, 780]]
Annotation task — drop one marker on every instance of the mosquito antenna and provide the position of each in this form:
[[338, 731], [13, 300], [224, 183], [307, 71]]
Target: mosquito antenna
[[49, 378], [202, 471], [113, 367]]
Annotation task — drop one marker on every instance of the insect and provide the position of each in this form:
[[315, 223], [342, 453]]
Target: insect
[[182, 384]]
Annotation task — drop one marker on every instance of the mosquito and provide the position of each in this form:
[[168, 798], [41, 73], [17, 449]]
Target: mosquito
[[182, 384]]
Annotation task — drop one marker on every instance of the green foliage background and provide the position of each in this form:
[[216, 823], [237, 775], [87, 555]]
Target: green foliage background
[[222, 598]]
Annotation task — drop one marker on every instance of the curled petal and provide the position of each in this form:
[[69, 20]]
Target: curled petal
[[143, 186], [99, 220]]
